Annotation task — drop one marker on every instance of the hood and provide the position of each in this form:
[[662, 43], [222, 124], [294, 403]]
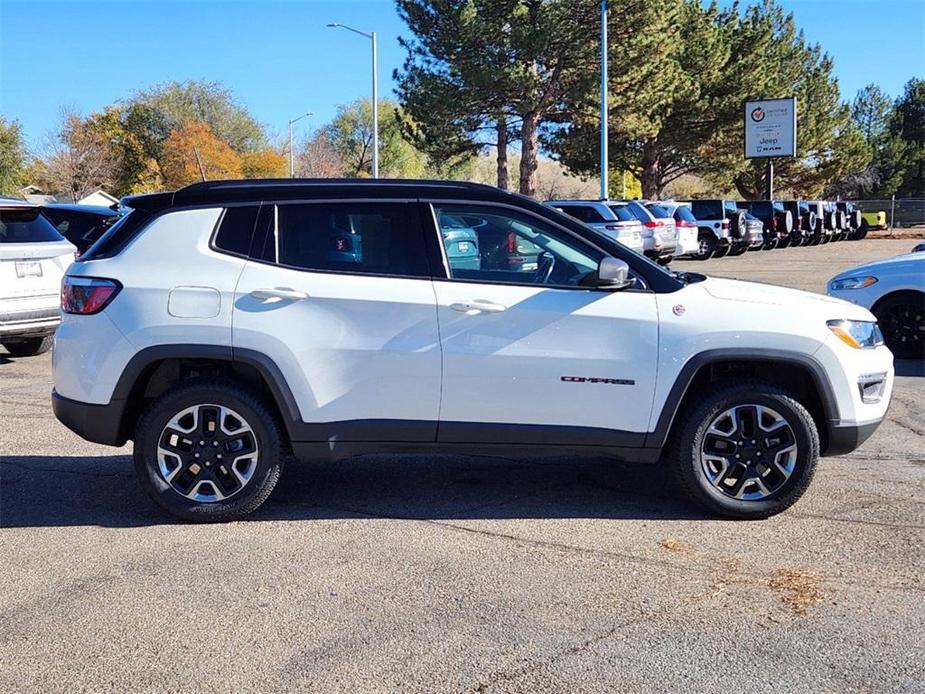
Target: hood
[[774, 295], [909, 259]]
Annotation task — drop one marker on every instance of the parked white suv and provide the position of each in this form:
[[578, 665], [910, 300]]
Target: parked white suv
[[33, 258], [612, 219], [228, 324]]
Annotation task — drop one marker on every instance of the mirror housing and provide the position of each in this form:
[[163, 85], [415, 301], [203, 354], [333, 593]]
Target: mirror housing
[[613, 274]]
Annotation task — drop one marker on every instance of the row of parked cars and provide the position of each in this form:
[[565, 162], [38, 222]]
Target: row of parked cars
[[701, 229]]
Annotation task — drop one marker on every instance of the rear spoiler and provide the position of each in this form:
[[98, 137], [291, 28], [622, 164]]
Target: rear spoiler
[[150, 202]]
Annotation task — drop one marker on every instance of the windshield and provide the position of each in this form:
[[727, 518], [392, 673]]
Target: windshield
[[26, 225]]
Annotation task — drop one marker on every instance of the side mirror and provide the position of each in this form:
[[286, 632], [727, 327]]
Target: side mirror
[[614, 274]]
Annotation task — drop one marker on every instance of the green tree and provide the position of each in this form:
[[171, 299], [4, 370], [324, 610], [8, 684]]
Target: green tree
[[490, 62], [907, 125], [12, 157], [350, 135], [871, 111], [151, 114]]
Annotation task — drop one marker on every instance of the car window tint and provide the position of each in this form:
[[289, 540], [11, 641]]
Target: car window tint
[[368, 238], [236, 229], [684, 213], [658, 211], [707, 209], [622, 213], [640, 212], [26, 225], [500, 245]]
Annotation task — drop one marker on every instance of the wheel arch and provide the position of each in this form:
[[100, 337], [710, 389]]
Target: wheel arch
[[794, 369], [894, 292], [153, 370]]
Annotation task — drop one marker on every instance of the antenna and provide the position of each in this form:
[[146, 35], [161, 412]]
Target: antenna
[[199, 161]]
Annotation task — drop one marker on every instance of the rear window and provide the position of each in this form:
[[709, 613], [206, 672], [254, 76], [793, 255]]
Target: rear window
[[26, 225], [80, 229], [374, 239], [707, 209], [584, 213], [659, 212], [640, 212], [683, 212], [758, 208], [622, 212]]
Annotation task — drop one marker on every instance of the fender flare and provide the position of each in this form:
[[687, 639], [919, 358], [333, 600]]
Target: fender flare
[[146, 358], [669, 413]]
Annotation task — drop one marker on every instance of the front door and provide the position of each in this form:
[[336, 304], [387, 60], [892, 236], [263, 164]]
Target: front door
[[530, 353]]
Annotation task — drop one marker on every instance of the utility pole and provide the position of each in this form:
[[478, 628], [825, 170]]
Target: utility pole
[[372, 37], [769, 179], [605, 185], [291, 158]]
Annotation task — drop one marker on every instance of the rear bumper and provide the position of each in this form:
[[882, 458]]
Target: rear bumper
[[29, 320], [96, 423], [846, 438]]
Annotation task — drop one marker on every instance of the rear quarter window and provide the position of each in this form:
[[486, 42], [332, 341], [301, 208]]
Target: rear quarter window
[[707, 209], [236, 229]]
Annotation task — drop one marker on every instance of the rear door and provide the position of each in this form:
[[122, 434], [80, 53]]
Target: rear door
[[533, 356], [339, 296]]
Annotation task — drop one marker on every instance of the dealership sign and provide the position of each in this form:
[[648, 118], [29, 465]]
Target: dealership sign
[[771, 128]]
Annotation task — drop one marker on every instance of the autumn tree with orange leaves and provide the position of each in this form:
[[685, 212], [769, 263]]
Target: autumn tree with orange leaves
[[179, 161]]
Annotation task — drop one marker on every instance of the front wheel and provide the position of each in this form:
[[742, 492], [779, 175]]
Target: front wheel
[[208, 451], [745, 451], [664, 260], [29, 347], [901, 317]]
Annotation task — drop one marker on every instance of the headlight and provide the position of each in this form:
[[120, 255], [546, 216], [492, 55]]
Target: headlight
[[852, 283], [857, 333]]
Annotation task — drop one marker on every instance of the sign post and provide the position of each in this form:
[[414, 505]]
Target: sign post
[[770, 132]]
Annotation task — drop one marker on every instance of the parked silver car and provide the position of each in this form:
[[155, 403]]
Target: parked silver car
[[613, 219]]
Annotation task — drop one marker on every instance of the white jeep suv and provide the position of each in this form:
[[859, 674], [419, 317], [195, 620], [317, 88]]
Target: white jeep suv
[[229, 324]]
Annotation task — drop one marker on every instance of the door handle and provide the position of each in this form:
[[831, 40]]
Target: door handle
[[279, 293], [477, 306]]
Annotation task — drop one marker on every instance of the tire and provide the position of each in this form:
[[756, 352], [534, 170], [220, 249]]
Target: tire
[[900, 317], [261, 470], [784, 242], [707, 245], [722, 251], [770, 245], [691, 438], [29, 347], [738, 249], [665, 260], [862, 230]]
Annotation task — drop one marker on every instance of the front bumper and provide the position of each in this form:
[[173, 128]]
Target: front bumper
[[846, 438], [96, 423]]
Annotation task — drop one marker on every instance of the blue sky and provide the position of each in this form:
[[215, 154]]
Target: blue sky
[[281, 60]]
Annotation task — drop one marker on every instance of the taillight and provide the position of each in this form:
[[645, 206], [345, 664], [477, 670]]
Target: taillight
[[651, 224], [611, 227], [511, 242], [726, 224], [87, 295]]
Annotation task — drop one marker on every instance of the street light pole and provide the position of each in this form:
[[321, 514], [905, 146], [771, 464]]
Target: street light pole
[[291, 159], [375, 46], [605, 185]]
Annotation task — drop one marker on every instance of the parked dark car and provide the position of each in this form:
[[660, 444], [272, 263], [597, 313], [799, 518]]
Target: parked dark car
[[82, 225], [777, 221], [853, 218]]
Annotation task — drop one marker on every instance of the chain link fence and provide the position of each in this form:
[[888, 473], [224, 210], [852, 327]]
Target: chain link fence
[[901, 213]]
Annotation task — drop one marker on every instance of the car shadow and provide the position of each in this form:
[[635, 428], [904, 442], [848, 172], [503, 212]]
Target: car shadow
[[909, 367], [39, 491]]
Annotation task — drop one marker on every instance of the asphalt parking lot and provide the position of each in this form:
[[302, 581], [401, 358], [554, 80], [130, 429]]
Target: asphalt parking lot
[[465, 574]]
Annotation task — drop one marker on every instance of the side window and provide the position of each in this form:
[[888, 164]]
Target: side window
[[501, 245], [236, 228], [368, 238]]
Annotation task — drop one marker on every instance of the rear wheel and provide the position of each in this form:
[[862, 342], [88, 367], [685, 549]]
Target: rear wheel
[[664, 260], [706, 245], [738, 249], [722, 251], [29, 347], [208, 451], [901, 317], [745, 451]]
